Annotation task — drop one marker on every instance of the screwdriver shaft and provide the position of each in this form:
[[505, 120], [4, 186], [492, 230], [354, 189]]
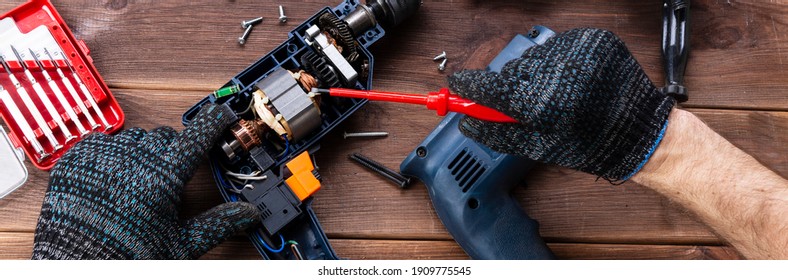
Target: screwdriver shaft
[[60, 97], [88, 95], [73, 92], [69, 110], [92, 101], [31, 107], [21, 122], [42, 96]]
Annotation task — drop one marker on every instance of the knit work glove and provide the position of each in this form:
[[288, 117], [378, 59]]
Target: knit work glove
[[116, 197], [582, 100]]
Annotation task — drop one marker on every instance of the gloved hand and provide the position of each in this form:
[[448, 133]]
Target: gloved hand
[[582, 101], [116, 197]]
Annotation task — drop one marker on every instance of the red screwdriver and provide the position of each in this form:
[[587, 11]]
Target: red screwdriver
[[442, 102]]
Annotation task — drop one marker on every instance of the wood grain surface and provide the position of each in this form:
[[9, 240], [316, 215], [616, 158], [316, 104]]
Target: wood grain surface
[[160, 57]]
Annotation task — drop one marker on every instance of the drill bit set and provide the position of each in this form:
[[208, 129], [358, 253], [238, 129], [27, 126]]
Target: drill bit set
[[51, 95]]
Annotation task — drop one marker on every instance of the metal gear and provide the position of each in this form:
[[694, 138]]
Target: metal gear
[[319, 67], [340, 31]]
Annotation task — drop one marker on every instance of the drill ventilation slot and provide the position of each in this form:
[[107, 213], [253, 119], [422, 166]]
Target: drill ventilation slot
[[466, 169]]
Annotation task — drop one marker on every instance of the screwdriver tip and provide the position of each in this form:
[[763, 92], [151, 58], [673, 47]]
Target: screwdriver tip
[[320, 90]]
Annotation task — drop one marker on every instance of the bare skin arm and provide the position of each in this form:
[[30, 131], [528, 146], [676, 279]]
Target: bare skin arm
[[741, 200]]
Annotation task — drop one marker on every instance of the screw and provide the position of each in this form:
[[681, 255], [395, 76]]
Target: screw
[[440, 56], [534, 33], [242, 39], [421, 152], [366, 134], [282, 16], [443, 65], [387, 173], [247, 23]]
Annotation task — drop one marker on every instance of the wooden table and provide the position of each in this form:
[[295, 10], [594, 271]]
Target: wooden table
[[160, 57]]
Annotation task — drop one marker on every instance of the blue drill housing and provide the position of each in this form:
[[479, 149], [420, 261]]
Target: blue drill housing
[[470, 185]]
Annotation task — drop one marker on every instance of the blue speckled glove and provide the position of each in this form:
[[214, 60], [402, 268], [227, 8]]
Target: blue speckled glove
[[582, 100], [116, 197]]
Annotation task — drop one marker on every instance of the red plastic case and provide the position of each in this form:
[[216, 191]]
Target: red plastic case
[[28, 17]]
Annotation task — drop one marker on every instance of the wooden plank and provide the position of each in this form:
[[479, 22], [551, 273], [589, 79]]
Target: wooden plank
[[738, 48], [20, 246], [570, 205], [354, 203], [741, 44]]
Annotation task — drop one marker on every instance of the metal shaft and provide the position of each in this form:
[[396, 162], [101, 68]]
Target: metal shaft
[[89, 96], [42, 95], [366, 134], [73, 92], [21, 122], [242, 39], [246, 23], [31, 107], [440, 56], [282, 16], [378, 168], [60, 97]]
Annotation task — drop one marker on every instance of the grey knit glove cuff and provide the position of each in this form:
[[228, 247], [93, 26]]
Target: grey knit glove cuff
[[117, 197], [582, 100]]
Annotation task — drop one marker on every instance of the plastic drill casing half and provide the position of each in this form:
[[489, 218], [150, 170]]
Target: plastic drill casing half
[[291, 126], [471, 185]]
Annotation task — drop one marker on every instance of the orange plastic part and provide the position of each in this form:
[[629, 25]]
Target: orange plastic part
[[303, 182]]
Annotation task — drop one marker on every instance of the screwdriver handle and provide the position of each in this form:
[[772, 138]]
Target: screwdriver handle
[[444, 102], [675, 46]]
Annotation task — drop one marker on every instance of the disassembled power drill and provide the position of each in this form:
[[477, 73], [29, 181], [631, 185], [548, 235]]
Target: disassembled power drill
[[265, 157]]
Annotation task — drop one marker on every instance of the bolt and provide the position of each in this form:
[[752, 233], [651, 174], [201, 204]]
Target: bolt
[[378, 168], [282, 16], [242, 39], [366, 134], [443, 65], [247, 23], [440, 56]]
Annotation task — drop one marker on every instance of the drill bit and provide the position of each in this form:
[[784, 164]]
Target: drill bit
[[60, 97], [88, 95], [20, 120], [31, 107], [73, 92], [42, 95]]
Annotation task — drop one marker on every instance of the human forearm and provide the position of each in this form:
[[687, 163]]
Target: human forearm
[[740, 199]]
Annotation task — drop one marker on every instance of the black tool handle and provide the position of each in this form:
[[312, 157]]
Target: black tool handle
[[675, 46]]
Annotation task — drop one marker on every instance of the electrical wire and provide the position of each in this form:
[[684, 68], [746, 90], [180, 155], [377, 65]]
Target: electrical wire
[[259, 237], [287, 148], [252, 176], [294, 249], [215, 168], [228, 186], [248, 108]]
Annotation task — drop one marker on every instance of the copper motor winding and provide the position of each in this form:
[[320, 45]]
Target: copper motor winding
[[290, 119], [248, 133]]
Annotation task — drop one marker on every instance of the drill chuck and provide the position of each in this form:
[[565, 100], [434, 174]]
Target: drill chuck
[[388, 13]]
